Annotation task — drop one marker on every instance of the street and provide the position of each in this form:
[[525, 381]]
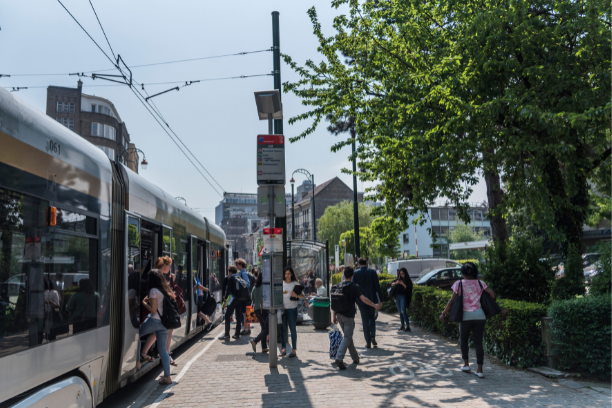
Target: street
[[413, 369]]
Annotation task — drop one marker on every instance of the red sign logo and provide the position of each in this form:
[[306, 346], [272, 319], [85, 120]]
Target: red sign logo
[[272, 231], [271, 139]]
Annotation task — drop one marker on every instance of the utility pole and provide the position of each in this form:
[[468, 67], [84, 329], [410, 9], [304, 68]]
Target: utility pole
[[355, 202], [279, 222]]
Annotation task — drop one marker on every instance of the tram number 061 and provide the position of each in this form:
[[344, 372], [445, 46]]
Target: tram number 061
[[53, 147]]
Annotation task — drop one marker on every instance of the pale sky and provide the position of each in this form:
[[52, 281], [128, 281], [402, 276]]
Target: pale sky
[[217, 120]]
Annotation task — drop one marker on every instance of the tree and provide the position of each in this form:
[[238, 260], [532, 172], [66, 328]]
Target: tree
[[339, 218], [367, 245], [464, 233], [386, 232], [442, 91]]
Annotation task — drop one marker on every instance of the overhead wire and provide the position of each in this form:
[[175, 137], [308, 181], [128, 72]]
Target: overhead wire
[[139, 96], [152, 64], [103, 32]]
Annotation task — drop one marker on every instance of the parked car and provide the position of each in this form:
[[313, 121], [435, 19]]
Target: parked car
[[441, 278], [420, 267], [589, 263]]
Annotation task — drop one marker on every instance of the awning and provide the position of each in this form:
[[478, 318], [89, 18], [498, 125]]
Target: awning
[[470, 245]]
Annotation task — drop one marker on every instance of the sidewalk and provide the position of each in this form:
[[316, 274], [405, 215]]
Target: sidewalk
[[417, 369]]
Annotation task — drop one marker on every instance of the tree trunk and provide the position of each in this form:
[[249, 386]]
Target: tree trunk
[[495, 195]]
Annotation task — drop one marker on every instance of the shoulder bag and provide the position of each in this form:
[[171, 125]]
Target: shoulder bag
[[488, 304], [456, 310]]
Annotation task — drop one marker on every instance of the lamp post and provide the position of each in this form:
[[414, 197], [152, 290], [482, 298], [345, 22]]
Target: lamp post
[[292, 181], [314, 218], [143, 163]]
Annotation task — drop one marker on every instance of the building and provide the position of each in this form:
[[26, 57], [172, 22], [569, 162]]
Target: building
[[327, 194], [95, 119], [441, 219], [236, 214]]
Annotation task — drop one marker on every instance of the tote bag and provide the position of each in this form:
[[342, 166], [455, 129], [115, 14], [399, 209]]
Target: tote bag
[[335, 338], [456, 311], [488, 305]]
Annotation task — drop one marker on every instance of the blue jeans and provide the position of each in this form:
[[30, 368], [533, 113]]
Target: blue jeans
[[400, 302], [161, 334], [290, 318], [367, 319]]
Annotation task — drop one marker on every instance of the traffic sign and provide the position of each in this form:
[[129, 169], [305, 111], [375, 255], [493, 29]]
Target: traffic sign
[[271, 160], [331, 267], [273, 240]]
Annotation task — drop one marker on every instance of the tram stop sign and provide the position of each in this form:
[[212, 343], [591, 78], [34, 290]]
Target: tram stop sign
[[270, 160]]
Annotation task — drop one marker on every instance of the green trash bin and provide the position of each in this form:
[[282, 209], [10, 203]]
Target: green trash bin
[[321, 316]]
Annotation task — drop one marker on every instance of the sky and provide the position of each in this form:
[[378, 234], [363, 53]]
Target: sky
[[217, 120]]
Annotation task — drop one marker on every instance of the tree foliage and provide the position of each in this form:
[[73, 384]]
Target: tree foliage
[[385, 232], [367, 244], [464, 233], [339, 218], [443, 91]]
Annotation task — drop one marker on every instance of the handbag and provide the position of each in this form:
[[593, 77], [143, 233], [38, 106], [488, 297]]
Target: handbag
[[488, 304], [178, 294], [456, 311], [335, 338], [391, 291], [250, 313]]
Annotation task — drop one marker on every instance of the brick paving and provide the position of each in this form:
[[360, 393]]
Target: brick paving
[[417, 369]]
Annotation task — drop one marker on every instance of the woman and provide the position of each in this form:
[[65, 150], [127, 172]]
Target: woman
[[154, 303], [255, 272], [473, 317], [261, 314], [52, 307], [163, 265], [291, 313], [403, 294]]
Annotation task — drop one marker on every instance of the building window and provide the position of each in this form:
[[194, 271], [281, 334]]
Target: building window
[[406, 238], [435, 213], [68, 122], [109, 152], [101, 130], [65, 107]]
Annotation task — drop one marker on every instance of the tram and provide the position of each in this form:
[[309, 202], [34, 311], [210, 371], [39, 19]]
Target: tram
[[78, 233]]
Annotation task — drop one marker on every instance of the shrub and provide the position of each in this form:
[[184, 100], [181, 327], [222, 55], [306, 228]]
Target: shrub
[[580, 333], [385, 276], [514, 335], [336, 278], [602, 282], [474, 261], [572, 283], [516, 271]]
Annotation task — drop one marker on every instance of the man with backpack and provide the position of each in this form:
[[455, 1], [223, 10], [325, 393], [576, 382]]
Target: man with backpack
[[250, 280], [343, 298], [238, 293], [367, 279]]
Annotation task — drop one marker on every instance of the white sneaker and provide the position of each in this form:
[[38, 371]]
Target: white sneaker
[[465, 369], [480, 375]]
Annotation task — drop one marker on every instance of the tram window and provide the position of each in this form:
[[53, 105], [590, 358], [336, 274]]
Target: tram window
[[133, 277], [48, 280], [72, 221], [182, 275], [214, 275]]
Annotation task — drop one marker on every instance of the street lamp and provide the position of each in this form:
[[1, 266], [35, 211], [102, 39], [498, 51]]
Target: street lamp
[[292, 181], [143, 163], [314, 219]]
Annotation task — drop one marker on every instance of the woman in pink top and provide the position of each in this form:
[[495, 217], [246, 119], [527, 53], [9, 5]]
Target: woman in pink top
[[474, 318]]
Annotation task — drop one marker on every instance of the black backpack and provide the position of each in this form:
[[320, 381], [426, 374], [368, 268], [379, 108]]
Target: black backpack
[[340, 299], [242, 288], [171, 319], [209, 306]]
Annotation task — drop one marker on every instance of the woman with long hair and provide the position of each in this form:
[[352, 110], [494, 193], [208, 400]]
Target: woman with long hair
[[154, 303], [162, 264], [261, 314], [403, 294], [291, 313]]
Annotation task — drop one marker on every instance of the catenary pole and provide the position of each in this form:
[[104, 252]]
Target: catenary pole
[[355, 202]]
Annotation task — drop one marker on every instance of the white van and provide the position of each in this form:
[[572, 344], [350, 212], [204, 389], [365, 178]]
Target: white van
[[419, 267]]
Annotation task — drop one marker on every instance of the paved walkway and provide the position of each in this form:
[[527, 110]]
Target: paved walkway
[[417, 369]]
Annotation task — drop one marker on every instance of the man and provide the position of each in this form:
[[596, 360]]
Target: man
[[241, 266], [367, 280], [235, 305], [347, 319]]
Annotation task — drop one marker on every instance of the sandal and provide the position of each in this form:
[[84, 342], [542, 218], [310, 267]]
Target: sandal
[[146, 357], [173, 363]]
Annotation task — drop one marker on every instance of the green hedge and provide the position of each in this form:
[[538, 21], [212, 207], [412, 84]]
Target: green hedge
[[336, 278], [388, 302], [580, 333], [514, 335]]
